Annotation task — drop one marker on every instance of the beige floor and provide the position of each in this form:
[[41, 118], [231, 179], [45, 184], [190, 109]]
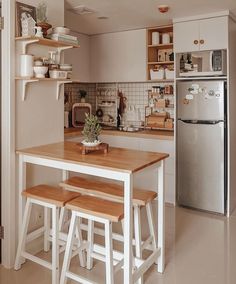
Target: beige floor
[[200, 249]]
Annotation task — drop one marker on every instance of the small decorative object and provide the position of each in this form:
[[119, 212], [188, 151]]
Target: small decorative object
[[25, 19], [91, 130], [39, 32], [42, 18], [83, 94]]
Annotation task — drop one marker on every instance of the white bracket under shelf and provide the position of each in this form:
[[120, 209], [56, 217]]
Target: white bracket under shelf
[[60, 49], [59, 83], [28, 42], [24, 85]]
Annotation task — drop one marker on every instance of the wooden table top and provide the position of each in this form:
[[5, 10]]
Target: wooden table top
[[118, 159]]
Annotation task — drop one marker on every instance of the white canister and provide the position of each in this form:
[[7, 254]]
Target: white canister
[[165, 38], [155, 38], [66, 119], [26, 65]]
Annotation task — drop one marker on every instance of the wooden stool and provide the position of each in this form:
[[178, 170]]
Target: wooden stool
[[94, 210], [51, 198], [115, 192]]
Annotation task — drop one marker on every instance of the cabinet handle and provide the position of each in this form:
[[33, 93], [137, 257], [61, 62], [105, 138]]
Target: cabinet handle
[[195, 41], [202, 41]]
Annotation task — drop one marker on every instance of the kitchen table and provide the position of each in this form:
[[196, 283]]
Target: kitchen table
[[118, 164]]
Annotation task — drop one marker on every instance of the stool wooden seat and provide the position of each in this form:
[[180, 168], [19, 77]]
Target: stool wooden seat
[[106, 189], [112, 211], [50, 198], [47, 193], [115, 192], [94, 210]]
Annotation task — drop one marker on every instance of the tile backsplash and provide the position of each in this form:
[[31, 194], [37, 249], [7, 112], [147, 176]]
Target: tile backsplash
[[136, 94]]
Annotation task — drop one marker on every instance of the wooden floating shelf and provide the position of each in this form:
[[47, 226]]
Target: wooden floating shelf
[[41, 79], [161, 46], [164, 28], [47, 42], [160, 62], [162, 81]]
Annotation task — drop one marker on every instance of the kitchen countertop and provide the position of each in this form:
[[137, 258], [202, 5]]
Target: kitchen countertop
[[146, 134]]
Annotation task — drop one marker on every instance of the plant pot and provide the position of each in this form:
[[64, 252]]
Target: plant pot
[[82, 100], [91, 144], [45, 27]]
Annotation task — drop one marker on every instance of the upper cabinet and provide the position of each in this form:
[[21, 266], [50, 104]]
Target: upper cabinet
[[197, 35], [118, 57]]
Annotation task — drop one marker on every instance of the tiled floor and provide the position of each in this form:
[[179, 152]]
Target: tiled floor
[[200, 249]]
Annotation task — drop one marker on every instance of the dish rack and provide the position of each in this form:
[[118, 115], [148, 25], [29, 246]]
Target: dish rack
[[107, 104]]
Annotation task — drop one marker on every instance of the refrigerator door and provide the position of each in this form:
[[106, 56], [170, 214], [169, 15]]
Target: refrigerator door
[[200, 100], [200, 166]]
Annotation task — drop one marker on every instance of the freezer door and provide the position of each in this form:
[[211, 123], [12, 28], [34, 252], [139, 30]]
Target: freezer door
[[200, 166], [200, 100]]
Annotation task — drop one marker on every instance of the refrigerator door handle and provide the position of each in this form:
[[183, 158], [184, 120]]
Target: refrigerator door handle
[[209, 122]]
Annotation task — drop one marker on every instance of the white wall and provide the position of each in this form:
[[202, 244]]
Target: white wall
[[118, 57], [80, 58], [39, 120]]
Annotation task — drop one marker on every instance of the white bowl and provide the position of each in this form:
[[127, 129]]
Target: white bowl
[[61, 30], [91, 144], [40, 71]]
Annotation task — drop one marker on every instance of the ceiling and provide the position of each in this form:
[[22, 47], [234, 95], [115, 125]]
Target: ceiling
[[135, 14]]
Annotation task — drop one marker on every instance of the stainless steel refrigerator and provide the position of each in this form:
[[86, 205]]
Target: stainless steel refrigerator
[[202, 145]]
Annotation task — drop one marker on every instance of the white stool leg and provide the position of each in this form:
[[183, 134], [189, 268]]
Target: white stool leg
[[68, 251], [151, 225], [138, 236], [90, 238], [109, 253], [55, 245], [80, 241], [23, 234], [46, 229], [61, 219]]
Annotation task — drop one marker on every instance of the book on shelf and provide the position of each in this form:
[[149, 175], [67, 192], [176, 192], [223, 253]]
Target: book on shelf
[[64, 38]]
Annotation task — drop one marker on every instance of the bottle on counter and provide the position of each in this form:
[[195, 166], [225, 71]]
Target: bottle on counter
[[182, 63], [118, 119]]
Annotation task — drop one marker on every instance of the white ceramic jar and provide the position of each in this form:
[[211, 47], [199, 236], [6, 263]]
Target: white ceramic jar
[[26, 65], [165, 38], [155, 38]]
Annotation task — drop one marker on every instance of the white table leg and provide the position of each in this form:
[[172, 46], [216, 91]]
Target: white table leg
[[21, 187], [65, 174], [128, 229], [161, 218]]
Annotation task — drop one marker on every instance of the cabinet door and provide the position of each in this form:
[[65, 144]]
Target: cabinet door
[[186, 36], [214, 33]]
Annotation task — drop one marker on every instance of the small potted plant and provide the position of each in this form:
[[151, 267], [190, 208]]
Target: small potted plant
[[91, 130], [83, 95], [41, 12]]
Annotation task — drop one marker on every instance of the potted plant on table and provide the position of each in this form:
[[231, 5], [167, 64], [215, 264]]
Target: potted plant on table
[[91, 131]]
